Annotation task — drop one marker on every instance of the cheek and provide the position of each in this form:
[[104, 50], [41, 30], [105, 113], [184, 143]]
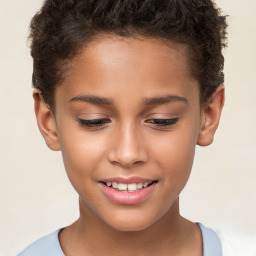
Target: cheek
[[175, 165], [175, 155], [177, 161], [82, 154]]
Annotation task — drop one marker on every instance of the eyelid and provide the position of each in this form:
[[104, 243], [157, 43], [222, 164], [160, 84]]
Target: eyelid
[[174, 119], [162, 122], [100, 123], [93, 124], [89, 116]]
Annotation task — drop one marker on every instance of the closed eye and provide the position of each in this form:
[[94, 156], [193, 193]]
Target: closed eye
[[99, 123], [94, 123], [163, 122]]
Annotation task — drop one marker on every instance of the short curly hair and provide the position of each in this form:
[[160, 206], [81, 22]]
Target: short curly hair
[[63, 27]]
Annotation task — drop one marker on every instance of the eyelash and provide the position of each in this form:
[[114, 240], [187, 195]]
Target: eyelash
[[93, 123], [100, 123], [163, 122]]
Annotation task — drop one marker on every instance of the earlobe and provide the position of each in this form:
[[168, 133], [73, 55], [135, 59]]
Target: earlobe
[[210, 117], [46, 121]]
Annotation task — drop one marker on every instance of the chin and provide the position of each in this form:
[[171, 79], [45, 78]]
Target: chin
[[129, 227], [128, 222]]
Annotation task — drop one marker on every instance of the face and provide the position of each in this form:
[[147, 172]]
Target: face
[[128, 119]]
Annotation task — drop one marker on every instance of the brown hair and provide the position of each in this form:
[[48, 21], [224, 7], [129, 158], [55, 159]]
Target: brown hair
[[62, 27]]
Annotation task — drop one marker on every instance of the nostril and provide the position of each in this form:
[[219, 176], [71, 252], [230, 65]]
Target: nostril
[[127, 164], [128, 151]]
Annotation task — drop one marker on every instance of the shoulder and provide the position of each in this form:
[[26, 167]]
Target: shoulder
[[211, 241], [234, 244], [227, 243], [48, 245]]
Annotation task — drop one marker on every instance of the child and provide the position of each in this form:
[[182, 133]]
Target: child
[[126, 90]]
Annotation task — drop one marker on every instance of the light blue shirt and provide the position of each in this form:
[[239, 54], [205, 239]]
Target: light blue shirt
[[50, 245]]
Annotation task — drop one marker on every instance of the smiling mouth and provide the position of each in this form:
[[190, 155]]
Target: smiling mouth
[[132, 187]]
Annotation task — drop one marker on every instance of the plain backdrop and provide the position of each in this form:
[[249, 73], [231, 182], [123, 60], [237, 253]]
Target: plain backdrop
[[35, 195]]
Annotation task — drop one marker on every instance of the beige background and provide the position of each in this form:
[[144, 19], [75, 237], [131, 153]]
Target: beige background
[[35, 195]]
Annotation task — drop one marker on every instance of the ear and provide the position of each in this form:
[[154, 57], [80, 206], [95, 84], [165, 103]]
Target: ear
[[46, 121], [210, 117]]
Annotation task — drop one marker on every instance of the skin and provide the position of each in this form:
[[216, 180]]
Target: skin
[[126, 72]]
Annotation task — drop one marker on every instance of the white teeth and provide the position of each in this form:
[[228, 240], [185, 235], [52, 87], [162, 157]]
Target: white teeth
[[132, 187], [140, 185], [145, 184], [122, 186], [114, 184], [127, 187]]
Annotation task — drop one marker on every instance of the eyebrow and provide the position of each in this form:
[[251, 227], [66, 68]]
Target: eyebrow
[[147, 101], [164, 99], [92, 99]]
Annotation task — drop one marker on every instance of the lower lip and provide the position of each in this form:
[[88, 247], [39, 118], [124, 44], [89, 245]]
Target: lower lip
[[127, 197]]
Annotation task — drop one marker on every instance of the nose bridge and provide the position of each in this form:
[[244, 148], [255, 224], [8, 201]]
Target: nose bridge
[[128, 147]]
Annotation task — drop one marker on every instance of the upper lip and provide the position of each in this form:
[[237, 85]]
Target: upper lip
[[128, 180]]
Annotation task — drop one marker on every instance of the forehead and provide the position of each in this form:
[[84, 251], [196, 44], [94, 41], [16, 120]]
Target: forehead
[[139, 44], [146, 52], [141, 66]]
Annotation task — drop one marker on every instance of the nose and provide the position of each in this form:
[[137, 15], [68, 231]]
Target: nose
[[128, 147]]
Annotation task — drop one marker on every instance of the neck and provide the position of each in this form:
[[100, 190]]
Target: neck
[[95, 237]]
